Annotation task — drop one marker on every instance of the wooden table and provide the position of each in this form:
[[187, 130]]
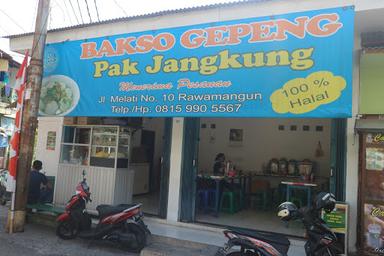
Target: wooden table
[[299, 185]]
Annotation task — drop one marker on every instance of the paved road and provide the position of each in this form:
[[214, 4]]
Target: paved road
[[39, 240]]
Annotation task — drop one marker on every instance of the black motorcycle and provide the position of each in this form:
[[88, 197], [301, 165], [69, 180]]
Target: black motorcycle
[[321, 241]]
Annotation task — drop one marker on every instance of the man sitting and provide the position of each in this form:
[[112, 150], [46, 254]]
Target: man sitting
[[36, 179]]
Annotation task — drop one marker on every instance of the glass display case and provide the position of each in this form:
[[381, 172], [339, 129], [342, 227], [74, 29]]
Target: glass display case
[[103, 152], [124, 141], [101, 146], [75, 145]]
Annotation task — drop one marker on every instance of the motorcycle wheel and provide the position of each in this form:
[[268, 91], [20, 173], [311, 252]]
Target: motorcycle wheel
[[66, 230], [140, 237]]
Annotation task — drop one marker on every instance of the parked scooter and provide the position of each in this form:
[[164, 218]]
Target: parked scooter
[[321, 241], [122, 224]]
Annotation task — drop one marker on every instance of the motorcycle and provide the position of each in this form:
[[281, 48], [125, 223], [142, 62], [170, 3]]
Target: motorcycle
[[321, 240], [122, 224]]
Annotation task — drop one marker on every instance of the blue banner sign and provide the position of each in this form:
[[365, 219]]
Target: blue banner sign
[[293, 65]]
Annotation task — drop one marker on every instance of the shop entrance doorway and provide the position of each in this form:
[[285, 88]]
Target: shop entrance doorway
[[243, 169], [150, 160]]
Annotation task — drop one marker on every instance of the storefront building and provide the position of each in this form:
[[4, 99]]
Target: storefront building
[[273, 85]]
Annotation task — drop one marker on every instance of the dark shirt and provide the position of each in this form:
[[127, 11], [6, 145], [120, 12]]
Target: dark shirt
[[218, 168], [35, 180]]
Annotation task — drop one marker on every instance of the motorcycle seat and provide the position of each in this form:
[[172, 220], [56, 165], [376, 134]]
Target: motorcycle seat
[[105, 210], [279, 242]]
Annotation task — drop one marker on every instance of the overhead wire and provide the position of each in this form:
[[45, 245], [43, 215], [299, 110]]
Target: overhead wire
[[13, 21], [50, 20], [73, 9], [121, 8], [41, 34], [97, 10], [61, 9], [34, 14], [89, 14], [81, 15], [67, 11], [6, 31]]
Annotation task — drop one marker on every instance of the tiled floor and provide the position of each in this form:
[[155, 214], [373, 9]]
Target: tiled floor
[[150, 202], [252, 219], [203, 234]]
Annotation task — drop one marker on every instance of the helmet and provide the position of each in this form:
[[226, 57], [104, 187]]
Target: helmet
[[287, 211], [324, 201]]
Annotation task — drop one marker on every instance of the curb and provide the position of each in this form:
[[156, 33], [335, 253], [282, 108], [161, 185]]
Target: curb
[[166, 246]]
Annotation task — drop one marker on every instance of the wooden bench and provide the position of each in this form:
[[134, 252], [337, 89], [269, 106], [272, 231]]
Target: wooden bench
[[44, 214], [46, 208]]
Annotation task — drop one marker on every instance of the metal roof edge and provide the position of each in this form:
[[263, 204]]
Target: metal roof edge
[[148, 15], [7, 56]]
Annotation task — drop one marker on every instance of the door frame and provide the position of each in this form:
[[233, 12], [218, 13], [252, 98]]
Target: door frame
[[338, 159], [361, 192], [189, 169], [165, 168], [144, 134]]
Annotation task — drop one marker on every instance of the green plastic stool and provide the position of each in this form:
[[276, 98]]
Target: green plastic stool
[[228, 202], [240, 197]]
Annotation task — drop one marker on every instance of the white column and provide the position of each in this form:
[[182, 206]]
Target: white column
[[49, 157], [175, 169], [352, 168]]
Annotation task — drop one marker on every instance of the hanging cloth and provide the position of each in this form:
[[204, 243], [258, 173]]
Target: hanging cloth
[[8, 88], [2, 76]]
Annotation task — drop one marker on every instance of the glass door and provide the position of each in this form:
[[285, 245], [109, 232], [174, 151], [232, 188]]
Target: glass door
[[338, 157], [372, 192], [189, 169], [165, 166]]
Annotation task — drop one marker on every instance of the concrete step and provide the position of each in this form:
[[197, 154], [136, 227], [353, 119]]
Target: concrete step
[[166, 246]]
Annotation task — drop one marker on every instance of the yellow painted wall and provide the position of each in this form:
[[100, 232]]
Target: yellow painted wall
[[372, 83]]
